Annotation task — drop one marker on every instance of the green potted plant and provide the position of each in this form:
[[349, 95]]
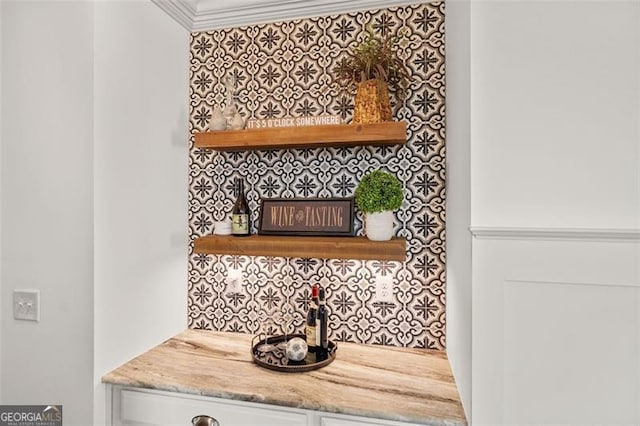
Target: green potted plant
[[378, 195], [371, 68]]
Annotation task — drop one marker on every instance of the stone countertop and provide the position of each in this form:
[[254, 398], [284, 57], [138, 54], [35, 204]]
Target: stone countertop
[[412, 385]]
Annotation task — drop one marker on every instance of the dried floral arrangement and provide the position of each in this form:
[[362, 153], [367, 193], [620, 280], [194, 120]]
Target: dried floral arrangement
[[374, 58]]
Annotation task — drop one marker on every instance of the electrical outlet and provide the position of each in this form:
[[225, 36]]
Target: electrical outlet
[[233, 281], [26, 305], [384, 288]]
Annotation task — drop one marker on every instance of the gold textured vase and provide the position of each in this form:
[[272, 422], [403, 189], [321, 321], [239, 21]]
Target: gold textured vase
[[372, 103]]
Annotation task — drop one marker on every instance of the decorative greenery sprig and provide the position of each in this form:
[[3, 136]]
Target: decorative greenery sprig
[[379, 191], [374, 58]]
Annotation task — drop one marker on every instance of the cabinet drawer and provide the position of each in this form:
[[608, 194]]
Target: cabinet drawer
[[327, 421], [357, 421], [146, 408]]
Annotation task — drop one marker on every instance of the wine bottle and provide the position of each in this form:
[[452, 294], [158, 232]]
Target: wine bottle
[[323, 344], [240, 214], [311, 327]]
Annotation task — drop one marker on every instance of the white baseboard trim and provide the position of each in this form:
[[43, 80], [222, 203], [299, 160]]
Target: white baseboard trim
[[561, 234]]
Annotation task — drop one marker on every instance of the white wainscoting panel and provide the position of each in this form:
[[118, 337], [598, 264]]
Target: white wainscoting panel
[[556, 332], [568, 350]]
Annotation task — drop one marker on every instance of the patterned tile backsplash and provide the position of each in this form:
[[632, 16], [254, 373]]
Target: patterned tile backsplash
[[284, 70]]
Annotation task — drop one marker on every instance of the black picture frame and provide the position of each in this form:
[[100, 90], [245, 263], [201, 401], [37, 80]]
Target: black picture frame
[[307, 216]]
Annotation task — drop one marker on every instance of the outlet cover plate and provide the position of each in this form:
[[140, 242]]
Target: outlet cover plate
[[26, 305], [384, 288], [233, 281]]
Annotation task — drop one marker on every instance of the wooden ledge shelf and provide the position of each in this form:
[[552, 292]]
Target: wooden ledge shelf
[[314, 247], [387, 133]]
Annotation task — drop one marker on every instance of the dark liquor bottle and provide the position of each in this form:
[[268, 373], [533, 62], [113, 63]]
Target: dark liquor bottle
[[311, 327], [323, 320], [240, 214]]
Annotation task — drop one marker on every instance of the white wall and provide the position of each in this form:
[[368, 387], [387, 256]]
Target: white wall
[[458, 196], [555, 179], [47, 234], [94, 183], [555, 104], [141, 163], [1, 198]]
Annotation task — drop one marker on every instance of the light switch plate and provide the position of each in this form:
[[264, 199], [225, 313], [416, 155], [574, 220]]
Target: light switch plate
[[26, 305]]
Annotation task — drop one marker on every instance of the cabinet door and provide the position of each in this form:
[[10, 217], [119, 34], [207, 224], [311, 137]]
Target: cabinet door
[[148, 408]]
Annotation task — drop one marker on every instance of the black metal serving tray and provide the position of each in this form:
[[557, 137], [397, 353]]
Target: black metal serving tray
[[277, 359]]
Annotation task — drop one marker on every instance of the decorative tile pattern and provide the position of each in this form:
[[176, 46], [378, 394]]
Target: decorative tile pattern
[[284, 70]]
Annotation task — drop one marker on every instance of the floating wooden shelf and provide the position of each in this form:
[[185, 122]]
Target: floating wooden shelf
[[387, 133], [314, 247]]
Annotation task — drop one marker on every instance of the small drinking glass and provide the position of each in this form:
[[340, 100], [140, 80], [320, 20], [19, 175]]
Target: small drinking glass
[[286, 322], [267, 324]]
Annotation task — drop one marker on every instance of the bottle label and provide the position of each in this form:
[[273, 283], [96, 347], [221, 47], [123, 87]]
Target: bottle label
[[311, 332], [318, 328], [240, 224]]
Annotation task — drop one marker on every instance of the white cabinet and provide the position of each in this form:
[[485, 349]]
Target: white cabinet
[[140, 407], [144, 407]]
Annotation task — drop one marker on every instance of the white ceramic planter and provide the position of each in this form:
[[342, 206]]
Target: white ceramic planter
[[379, 226]]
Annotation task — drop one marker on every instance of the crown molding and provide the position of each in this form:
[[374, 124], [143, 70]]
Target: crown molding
[[181, 11], [204, 15], [558, 234]]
